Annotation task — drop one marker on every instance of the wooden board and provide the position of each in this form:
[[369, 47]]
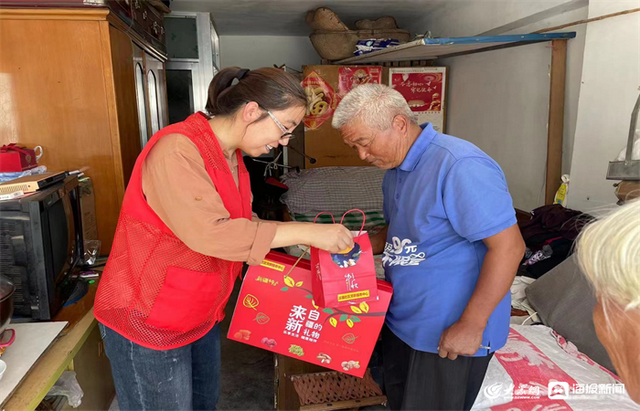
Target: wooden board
[[449, 47], [285, 392], [32, 339], [556, 118], [53, 93]]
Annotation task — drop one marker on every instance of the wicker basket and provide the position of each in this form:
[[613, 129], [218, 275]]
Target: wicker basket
[[333, 388], [337, 45]]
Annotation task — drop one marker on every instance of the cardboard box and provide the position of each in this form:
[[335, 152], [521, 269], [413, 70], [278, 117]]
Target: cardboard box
[[276, 312]]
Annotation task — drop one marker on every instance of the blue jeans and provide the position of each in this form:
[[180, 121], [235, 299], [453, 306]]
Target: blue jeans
[[185, 378]]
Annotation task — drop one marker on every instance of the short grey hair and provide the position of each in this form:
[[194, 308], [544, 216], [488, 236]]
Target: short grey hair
[[374, 104], [609, 255]]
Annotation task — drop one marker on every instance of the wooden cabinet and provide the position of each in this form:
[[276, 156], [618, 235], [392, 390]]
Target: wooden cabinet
[[157, 93], [69, 83]]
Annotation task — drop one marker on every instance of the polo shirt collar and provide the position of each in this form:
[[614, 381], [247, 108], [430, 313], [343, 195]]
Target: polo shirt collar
[[418, 148]]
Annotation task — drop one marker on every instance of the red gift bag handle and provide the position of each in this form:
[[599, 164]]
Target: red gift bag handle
[[13, 147], [364, 218], [324, 212]]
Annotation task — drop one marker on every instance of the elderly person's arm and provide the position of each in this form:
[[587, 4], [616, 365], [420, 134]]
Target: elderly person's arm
[[504, 252], [478, 205], [379, 240]]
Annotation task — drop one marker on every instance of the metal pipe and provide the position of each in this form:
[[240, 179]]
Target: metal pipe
[[632, 131]]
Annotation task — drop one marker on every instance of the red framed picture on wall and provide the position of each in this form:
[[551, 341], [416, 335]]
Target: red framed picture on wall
[[425, 90]]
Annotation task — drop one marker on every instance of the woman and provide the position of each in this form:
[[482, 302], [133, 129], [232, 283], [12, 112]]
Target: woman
[[185, 229], [609, 254]]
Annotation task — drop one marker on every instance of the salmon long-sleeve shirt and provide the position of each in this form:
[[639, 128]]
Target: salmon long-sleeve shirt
[[177, 187]]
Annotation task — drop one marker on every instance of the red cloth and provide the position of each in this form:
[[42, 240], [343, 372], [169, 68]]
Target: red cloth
[[154, 290]]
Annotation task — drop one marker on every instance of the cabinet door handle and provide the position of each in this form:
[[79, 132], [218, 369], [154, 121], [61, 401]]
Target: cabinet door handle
[[144, 15], [137, 4]]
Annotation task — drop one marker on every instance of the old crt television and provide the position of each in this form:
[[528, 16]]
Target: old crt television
[[40, 245]]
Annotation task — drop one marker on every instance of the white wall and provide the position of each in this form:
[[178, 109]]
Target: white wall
[[499, 100], [253, 52], [490, 17], [610, 84]]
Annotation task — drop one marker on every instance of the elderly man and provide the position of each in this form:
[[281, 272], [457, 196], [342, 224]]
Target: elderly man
[[452, 251]]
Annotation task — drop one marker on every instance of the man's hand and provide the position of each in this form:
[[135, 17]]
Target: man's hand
[[504, 252], [462, 338]]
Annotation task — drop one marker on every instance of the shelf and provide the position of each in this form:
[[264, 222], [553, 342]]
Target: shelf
[[431, 49]]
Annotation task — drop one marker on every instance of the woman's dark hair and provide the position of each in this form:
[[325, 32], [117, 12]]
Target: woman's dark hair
[[272, 88]]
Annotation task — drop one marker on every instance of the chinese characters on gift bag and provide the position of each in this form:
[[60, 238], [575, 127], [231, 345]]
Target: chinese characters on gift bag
[[299, 323], [347, 277]]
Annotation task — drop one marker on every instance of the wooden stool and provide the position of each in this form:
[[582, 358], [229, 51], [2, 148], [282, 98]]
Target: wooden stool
[[336, 391]]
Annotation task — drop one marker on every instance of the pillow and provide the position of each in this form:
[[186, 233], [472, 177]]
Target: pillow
[[333, 189], [564, 300]]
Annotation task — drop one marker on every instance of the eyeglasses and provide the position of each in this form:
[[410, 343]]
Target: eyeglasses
[[287, 134]]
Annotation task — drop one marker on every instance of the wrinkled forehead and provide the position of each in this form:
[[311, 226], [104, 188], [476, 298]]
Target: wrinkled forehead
[[357, 130]]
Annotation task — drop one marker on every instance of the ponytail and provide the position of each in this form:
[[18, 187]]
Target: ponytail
[[272, 88]]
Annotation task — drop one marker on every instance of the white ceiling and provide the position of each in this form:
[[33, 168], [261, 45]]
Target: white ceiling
[[286, 17]]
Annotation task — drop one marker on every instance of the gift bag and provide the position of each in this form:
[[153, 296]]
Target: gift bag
[[276, 312], [348, 277]]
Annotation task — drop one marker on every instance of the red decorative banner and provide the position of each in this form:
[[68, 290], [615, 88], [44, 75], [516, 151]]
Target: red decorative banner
[[423, 91], [321, 99]]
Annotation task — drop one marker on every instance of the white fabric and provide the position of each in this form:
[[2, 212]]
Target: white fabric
[[559, 354], [519, 299], [518, 287]]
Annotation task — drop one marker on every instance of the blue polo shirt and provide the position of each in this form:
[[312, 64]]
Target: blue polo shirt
[[440, 203]]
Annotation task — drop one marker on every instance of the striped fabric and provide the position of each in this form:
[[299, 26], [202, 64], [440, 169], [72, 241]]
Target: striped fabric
[[334, 189], [352, 221]]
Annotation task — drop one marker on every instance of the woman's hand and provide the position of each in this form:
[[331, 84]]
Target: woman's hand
[[330, 237]]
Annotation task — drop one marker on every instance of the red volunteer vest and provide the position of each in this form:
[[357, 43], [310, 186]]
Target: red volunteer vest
[[155, 290]]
